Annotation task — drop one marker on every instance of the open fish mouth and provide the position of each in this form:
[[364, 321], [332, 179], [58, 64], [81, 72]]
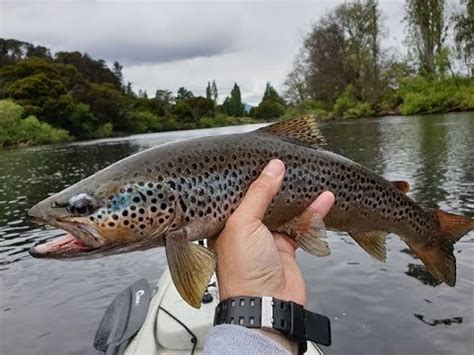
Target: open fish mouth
[[64, 246], [79, 241]]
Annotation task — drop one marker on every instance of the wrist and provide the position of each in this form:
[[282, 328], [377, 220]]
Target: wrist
[[291, 324]]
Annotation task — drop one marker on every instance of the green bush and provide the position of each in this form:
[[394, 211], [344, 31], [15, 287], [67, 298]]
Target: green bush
[[269, 109], [348, 106], [169, 123], [82, 122], [361, 109], [423, 95], [216, 121], [105, 130], [15, 130], [145, 121]]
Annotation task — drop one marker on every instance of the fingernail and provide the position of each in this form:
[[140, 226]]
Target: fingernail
[[273, 168]]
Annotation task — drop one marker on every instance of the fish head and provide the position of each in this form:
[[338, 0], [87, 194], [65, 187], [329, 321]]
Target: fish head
[[112, 218]]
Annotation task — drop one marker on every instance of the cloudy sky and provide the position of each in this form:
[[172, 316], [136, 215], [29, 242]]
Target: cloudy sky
[[168, 44]]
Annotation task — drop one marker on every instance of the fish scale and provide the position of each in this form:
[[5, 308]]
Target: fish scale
[[184, 191]]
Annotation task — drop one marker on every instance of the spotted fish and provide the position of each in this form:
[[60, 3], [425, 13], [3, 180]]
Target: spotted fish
[[180, 192]]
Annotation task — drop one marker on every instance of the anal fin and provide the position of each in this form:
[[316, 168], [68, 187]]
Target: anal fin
[[191, 267], [373, 243], [309, 232]]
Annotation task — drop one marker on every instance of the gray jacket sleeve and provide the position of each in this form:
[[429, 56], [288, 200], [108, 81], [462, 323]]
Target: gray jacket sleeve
[[236, 340]]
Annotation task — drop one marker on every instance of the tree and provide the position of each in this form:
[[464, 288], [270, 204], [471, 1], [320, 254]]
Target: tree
[[296, 86], [129, 90], [183, 93], [268, 109], [142, 94], [95, 71], [208, 91], [42, 96], [426, 34], [464, 35], [233, 105], [271, 94], [108, 105], [12, 50], [342, 49], [117, 69], [183, 111], [214, 93], [164, 100]]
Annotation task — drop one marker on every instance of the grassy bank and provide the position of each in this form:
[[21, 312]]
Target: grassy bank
[[413, 95]]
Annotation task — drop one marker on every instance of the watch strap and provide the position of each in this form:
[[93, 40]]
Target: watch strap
[[285, 317]]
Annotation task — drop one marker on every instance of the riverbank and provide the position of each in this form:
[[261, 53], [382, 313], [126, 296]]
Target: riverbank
[[414, 96], [16, 131]]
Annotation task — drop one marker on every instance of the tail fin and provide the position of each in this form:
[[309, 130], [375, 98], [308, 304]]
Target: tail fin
[[437, 254]]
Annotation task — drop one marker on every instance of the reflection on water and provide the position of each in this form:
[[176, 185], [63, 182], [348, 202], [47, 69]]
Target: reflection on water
[[435, 322], [51, 306], [420, 273]]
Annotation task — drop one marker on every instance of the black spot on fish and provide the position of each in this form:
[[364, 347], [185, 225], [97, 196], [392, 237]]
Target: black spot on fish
[[183, 205]]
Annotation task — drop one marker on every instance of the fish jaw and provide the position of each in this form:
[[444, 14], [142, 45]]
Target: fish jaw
[[81, 240]]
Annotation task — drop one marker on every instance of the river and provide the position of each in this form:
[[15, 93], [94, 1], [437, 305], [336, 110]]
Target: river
[[54, 307]]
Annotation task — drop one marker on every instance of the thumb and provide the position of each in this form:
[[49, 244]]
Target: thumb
[[261, 193]]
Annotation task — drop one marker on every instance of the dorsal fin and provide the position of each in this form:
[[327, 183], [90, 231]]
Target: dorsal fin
[[303, 128]]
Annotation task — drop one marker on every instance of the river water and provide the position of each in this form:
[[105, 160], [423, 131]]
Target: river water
[[54, 307]]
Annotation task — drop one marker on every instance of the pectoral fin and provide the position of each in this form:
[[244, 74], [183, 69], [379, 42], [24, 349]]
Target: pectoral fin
[[309, 232], [191, 267], [373, 243]]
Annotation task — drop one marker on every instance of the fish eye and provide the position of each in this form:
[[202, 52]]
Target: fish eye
[[80, 204]]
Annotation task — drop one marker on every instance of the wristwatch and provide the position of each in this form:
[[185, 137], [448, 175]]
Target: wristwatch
[[285, 317]]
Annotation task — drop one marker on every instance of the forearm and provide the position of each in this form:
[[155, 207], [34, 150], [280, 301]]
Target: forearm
[[284, 342], [235, 339]]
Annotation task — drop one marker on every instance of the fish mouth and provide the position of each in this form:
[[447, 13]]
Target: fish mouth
[[80, 240]]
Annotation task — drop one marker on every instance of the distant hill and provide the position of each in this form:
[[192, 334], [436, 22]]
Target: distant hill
[[248, 107]]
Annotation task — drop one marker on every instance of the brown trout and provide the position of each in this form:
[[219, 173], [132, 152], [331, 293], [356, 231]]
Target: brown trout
[[180, 192]]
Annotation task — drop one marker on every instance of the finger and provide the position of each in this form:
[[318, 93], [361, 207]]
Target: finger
[[323, 203], [261, 192]]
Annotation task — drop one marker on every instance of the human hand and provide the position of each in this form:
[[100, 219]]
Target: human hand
[[251, 260]]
